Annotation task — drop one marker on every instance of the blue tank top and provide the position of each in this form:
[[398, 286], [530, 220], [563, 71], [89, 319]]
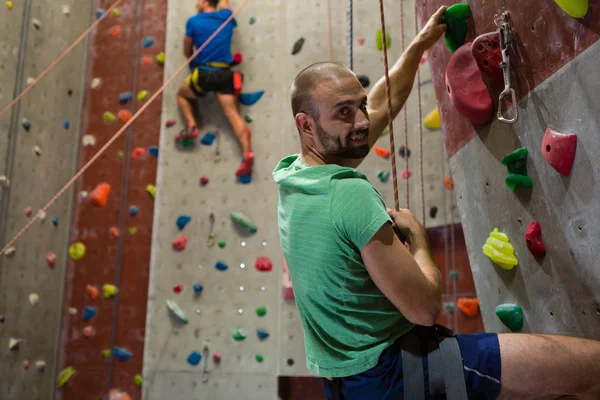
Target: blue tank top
[[201, 26]]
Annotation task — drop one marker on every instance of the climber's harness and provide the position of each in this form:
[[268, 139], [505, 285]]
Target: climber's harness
[[237, 76], [446, 375]]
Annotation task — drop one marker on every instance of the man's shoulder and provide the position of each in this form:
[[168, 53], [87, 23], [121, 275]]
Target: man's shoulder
[[351, 183]]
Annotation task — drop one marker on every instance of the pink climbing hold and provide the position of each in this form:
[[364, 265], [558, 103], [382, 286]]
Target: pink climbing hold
[[423, 59], [361, 40], [486, 51], [533, 240], [558, 150], [406, 174], [217, 357], [26, 364], [263, 264], [180, 243], [178, 288], [465, 87], [51, 259], [28, 211]]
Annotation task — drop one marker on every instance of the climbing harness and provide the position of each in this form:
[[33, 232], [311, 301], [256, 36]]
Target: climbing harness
[[505, 47], [205, 354]]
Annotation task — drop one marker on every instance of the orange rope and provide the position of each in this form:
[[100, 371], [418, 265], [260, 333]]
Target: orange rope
[[123, 128], [421, 178], [407, 186], [55, 62], [330, 31]]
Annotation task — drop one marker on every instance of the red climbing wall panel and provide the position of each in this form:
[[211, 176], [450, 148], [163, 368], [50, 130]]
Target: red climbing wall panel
[[547, 40], [122, 261]]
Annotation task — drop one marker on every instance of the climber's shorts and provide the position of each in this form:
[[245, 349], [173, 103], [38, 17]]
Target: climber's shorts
[[481, 367], [206, 79]]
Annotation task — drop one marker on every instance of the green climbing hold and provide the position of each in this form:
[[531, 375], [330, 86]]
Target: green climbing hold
[[187, 142], [575, 8], [109, 290], [379, 40], [109, 117], [106, 353], [516, 163], [248, 118], [120, 154], [177, 311], [259, 358], [222, 244], [64, 376], [455, 17], [138, 380], [454, 274], [244, 221], [383, 176], [261, 311], [252, 20], [132, 230], [116, 13], [450, 307], [239, 334], [511, 315]]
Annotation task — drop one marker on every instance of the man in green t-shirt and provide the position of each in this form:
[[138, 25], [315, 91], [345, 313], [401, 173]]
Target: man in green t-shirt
[[358, 289]]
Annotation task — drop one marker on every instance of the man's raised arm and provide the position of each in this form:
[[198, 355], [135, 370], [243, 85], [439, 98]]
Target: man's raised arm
[[224, 4], [402, 76]]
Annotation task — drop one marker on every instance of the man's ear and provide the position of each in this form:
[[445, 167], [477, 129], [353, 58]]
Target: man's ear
[[304, 124]]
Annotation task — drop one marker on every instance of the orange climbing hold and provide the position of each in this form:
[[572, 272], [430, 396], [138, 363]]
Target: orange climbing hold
[[469, 306], [138, 152], [146, 60], [381, 152], [114, 32], [92, 291], [99, 196], [449, 182], [88, 331], [124, 115], [117, 394], [114, 232]]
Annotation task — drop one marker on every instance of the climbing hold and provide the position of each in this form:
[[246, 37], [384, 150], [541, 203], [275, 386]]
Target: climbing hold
[[138, 152], [72, 311], [40, 365], [54, 220], [238, 58], [9, 5], [26, 124], [385, 132], [252, 20], [146, 60], [88, 312], [66, 9], [137, 379], [178, 288], [148, 42], [51, 259], [364, 81], [454, 274], [88, 140], [109, 290], [194, 358], [404, 152], [511, 315], [116, 13], [161, 57], [533, 239], [263, 264], [239, 334], [174, 308], [114, 232], [124, 115], [170, 123], [120, 154], [406, 174], [298, 46], [88, 331], [432, 120], [262, 334], [182, 221], [132, 230], [66, 124], [151, 189], [498, 248], [469, 306], [379, 40], [455, 17], [198, 288], [516, 163], [449, 183], [261, 311], [423, 60], [114, 32], [121, 353], [13, 343], [153, 151], [575, 8], [106, 353], [77, 251], [64, 376], [133, 210], [204, 180], [125, 97], [245, 179], [36, 23], [92, 291], [42, 215], [96, 82], [381, 152], [558, 150], [222, 245], [221, 266], [244, 221], [99, 195], [259, 358], [26, 364], [109, 117], [142, 95], [466, 88], [487, 54], [217, 357], [180, 243], [249, 99], [449, 306], [117, 394], [100, 12], [34, 298], [10, 251], [248, 118], [28, 212], [37, 151], [361, 41], [208, 138], [433, 212], [383, 176]]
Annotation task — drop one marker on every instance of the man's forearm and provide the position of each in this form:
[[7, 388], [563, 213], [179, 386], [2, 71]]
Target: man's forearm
[[422, 254]]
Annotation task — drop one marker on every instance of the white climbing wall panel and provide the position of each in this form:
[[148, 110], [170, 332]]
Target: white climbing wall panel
[[268, 65]]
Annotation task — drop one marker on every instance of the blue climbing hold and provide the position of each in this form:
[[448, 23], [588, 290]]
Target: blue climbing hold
[[182, 221], [208, 138], [221, 266], [262, 335], [148, 41], [88, 312], [99, 13], [125, 97], [66, 124], [245, 179], [249, 99], [198, 288], [194, 358], [54, 220], [121, 353], [153, 150], [133, 210]]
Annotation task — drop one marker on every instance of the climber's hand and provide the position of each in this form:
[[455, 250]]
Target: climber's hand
[[433, 30]]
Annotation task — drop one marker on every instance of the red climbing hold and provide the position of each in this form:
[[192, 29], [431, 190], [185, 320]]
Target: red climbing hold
[[146, 60], [533, 240], [263, 264], [217, 357], [237, 58], [170, 123], [559, 150], [28, 211], [449, 182], [204, 180], [180, 243], [138, 152], [51, 259], [406, 174], [466, 88], [178, 288], [486, 51]]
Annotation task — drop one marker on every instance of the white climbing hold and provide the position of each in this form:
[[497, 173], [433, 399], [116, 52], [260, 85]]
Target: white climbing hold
[[30, 80], [72, 311], [37, 151], [83, 194], [13, 343], [42, 215], [66, 9], [40, 365], [34, 298], [10, 251], [96, 82], [88, 140], [36, 23]]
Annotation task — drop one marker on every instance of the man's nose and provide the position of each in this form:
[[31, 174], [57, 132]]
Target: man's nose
[[362, 121]]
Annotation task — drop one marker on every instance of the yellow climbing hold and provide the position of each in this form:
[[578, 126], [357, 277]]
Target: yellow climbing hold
[[106, 353], [432, 120], [109, 117], [64, 376], [151, 189], [575, 8], [77, 251], [116, 12], [160, 57], [109, 290], [142, 95], [385, 132], [498, 248], [9, 5], [138, 380]]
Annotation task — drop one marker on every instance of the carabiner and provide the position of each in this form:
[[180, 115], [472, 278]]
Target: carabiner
[[514, 106]]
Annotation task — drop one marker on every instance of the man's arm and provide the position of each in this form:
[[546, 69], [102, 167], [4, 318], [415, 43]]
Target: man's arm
[[224, 4], [402, 77], [188, 46]]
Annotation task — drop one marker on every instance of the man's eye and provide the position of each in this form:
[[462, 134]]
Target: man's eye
[[363, 105], [343, 112]]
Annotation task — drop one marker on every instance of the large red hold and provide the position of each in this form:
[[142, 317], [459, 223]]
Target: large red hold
[[533, 240], [466, 88], [486, 51], [180, 243], [263, 264], [559, 150]]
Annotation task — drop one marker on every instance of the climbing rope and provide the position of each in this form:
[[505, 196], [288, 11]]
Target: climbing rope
[[120, 132], [58, 59], [350, 35], [407, 187], [330, 31], [421, 179]]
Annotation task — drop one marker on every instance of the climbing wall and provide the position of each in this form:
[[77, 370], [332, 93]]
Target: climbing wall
[[554, 66]]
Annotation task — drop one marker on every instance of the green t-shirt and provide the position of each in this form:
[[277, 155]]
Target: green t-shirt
[[327, 215]]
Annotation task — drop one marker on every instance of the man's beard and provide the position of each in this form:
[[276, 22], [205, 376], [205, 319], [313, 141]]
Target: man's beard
[[341, 147]]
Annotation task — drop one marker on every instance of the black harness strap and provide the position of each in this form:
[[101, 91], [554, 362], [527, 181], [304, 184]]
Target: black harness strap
[[456, 389], [336, 389], [412, 366]]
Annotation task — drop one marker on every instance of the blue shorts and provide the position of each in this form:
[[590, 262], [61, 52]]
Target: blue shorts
[[481, 361]]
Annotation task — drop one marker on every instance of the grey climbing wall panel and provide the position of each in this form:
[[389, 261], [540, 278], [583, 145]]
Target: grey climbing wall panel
[[35, 179], [559, 294]]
